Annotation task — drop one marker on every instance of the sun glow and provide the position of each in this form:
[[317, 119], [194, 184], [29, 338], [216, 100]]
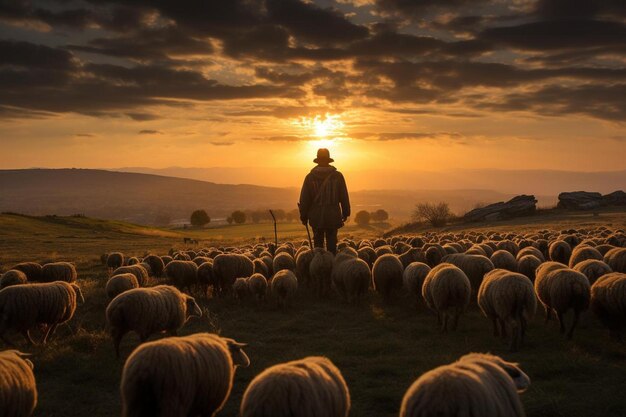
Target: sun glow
[[328, 126]]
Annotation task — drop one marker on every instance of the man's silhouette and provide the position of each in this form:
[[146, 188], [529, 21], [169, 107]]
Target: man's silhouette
[[324, 201]]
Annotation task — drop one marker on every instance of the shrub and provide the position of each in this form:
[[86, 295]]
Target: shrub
[[362, 218], [379, 215], [199, 218], [239, 217], [435, 214]]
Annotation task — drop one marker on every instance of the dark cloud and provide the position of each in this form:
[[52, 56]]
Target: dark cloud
[[579, 8], [30, 55], [150, 132]]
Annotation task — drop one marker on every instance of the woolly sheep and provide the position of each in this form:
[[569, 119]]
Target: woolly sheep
[[241, 288], [259, 267], [476, 385], [132, 261], [180, 376], [228, 267], [137, 270], [560, 251], [303, 262], [24, 307], [508, 299], [351, 277], [283, 260], [447, 292], [115, 260], [527, 265], [582, 253], [18, 389], [166, 260], [508, 246], [320, 271], [413, 278], [608, 302], [592, 269], [12, 277], [58, 271], [530, 250], [603, 249], [434, 255], [32, 270], [560, 289], [411, 255], [182, 274], [616, 259], [149, 310], [205, 277], [284, 286], [156, 264], [258, 286], [368, 255], [312, 386], [387, 275], [503, 259], [117, 284], [473, 266]]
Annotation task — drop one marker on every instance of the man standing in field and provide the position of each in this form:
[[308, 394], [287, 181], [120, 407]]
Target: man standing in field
[[324, 201]]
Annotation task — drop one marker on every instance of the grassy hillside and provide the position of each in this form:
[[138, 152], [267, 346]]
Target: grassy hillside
[[379, 348]]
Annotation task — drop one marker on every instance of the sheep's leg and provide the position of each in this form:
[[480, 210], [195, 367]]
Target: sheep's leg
[[548, 313], [574, 323], [559, 316], [117, 339], [515, 337], [496, 330], [523, 326]]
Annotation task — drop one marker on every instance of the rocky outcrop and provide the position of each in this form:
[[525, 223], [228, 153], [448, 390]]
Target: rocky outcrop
[[583, 200], [522, 205]]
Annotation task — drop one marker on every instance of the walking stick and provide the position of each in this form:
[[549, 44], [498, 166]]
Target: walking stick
[[308, 233], [275, 232]]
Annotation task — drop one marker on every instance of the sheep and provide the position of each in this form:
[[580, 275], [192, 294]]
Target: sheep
[[413, 278], [527, 265], [12, 277], [181, 376], [560, 289], [18, 389], [31, 269], [228, 267], [560, 251], [182, 274], [387, 275], [24, 307], [312, 386], [603, 249], [156, 264], [447, 292], [411, 255], [303, 262], [434, 255], [592, 269], [284, 286], [59, 271], [149, 310], [474, 266], [368, 255], [205, 277], [137, 270], [115, 260], [132, 260], [320, 271], [166, 260], [508, 299], [241, 288], [608, 302], [582, 253], [283, 260], [530, 250], [259, 267], [258, 286], [117, 284], [476, 385], [503, 259], [351, 277], [616, 259]]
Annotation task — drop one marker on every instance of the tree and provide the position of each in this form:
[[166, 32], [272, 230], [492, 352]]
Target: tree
[[435, 214], [239, 217], [379, 215], [255, 216], [199, 218], [229, 219], [362, 218]]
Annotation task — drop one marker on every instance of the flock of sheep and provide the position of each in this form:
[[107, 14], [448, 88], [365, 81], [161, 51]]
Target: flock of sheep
[[505, 274]]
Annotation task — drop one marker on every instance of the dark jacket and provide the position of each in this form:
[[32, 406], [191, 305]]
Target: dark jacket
[[324, 200]]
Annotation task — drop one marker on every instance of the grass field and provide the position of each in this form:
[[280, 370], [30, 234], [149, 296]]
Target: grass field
[[380, 349]]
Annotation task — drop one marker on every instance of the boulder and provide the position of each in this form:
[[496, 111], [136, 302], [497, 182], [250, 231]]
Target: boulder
[[616, 198], [522, 205], [580, 200]]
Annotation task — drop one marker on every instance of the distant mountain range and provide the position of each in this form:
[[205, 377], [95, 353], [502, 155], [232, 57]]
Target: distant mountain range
[[141, 198], [510, 182]]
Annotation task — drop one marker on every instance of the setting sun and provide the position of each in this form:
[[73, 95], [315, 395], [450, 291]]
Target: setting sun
[[328, 126]]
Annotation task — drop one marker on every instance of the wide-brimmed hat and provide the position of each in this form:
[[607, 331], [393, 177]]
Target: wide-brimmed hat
[[323, 155]]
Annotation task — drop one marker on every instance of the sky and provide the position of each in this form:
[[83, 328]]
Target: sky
[[392, 85]]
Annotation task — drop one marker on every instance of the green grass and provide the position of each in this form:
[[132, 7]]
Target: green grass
[[380, 349]]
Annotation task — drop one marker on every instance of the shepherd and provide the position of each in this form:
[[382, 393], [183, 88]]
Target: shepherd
[[324, 201]]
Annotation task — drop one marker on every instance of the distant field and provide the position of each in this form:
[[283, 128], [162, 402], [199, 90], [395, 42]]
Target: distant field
[[380, 349]]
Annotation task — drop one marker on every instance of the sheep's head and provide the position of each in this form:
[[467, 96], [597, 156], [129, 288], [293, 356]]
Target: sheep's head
[[193, 309], [237, 354], [520, 379]]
